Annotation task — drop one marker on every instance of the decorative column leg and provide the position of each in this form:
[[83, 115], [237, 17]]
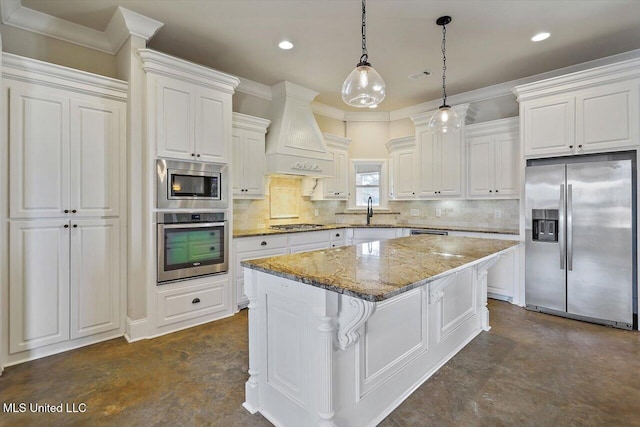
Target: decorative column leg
[[251, 395], [325, 372], [482, 273]]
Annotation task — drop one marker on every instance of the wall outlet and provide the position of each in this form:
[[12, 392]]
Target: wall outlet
[[438, 212], [317, 212], [415, 212], [497, 214]]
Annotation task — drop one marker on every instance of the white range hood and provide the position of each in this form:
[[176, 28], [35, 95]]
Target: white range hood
[[295, 145]]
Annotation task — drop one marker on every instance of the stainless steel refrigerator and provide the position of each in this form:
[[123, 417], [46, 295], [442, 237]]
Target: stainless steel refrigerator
[[580, 252]]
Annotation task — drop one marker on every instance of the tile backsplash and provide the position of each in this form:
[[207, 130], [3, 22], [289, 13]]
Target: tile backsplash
[[499, 214]]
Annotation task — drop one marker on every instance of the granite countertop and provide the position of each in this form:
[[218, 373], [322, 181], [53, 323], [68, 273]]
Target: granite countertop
[[380, 270], [267, 231]]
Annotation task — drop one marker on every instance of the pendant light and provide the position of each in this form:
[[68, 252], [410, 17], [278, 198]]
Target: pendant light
[[363, 87], [445, 119]]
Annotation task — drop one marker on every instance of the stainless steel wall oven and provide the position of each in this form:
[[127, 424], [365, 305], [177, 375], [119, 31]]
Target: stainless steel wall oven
[[191, 244]]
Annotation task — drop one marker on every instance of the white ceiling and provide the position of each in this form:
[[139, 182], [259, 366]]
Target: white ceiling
[[488, 41]]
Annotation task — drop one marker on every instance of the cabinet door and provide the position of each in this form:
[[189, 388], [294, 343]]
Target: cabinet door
[[175, 119], [39, 151], [38, 283], [449, 167], [429, 158], [549, 126], [404, 179], [330, 184], [500, 280], [254, 164], [506, 165], [481, 166], [607, 117], [212, 125], [237, 162], [95, 276], [242, 256], [341, 167], [96, 144]]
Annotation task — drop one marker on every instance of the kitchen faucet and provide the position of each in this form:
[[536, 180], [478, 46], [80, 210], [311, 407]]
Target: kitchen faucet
[[369, 210]]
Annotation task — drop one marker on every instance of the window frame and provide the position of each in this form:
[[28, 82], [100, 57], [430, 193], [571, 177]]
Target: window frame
[[384, 187]]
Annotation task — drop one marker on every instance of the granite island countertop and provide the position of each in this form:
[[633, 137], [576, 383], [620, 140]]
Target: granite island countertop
[[265, 231], [379, 270]]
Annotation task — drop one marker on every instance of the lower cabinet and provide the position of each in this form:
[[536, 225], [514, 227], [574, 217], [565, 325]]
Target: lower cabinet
[[364, 235], [64, 281], [309, 241], [191, 302]]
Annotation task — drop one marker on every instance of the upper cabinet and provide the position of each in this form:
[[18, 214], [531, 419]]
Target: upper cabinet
[[589, 111], [66, 144], [440, 158], [403, 168], [335, 187], [248, 156], [189, 108], [493, 159]]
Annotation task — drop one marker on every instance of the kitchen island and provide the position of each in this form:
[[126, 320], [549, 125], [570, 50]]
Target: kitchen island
[[342, 336]]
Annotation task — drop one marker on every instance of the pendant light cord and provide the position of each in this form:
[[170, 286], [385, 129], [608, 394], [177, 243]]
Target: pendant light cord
[[444, 65], [364, 59]]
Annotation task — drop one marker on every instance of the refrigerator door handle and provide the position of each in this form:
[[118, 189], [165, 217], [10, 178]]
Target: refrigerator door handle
[[561, 215], [569, 227]]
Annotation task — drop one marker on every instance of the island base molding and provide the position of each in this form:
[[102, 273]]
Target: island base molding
[[319, 358]]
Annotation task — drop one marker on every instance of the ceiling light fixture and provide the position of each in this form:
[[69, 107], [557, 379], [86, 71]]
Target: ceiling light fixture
[[445, 119], [285, 45], [540, 36], [364, 86]]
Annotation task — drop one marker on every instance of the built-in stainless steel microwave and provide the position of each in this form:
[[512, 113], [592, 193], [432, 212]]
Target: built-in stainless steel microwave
[[191, 185]]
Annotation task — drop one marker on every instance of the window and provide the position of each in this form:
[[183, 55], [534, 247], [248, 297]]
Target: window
[[368, 180]]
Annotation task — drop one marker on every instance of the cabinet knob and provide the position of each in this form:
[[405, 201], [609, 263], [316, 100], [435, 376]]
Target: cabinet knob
[[75, 225], [66, 226], [263, 243], [571, 146], [73, 211], [193, 154], [496, 191], [66, 211], [337, 234], [197, 155], [580, 146], [490, 191], [195, 301], [413, 193]]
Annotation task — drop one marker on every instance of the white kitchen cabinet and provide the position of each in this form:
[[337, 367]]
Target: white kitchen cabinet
[[440, 157], [403, 168], [335, 187], [189, 108], [364, 235], [493, 159], [252, 248], [64, 280], [309, 241], [589, 111], [66, 152], [338, 237], [248, 160]]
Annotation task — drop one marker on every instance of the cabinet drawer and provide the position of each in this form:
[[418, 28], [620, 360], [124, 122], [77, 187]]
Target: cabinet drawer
[[246, 244], [309, 237], [177, 305]]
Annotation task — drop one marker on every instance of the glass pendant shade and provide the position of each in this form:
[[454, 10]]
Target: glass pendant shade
[[444, 120], [363, 87]]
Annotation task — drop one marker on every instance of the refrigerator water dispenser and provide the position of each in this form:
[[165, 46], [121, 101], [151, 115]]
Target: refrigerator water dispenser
[[545, 225]]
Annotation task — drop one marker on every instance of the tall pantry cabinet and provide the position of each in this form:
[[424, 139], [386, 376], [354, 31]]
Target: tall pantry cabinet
[[67, 175]]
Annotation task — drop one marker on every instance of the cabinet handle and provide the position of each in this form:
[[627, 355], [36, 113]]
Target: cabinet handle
[[75, 225], [195, 301], [263, 243], [66, 226], [337, 234], [66, 211], [73, 211]]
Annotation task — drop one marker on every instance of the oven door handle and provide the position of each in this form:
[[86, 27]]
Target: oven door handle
[[195, 224]]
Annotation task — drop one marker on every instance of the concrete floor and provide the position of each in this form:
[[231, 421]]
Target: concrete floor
[[531, 369]]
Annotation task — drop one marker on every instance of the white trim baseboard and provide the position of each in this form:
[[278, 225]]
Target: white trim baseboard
[[136, 330]]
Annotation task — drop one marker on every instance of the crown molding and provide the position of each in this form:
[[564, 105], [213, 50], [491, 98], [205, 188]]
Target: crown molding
[[288, 89], [405, 142], [510, 124], [336, 141], [255, 89], [328, 111], [368, 116], [123, 23], [244, 121]]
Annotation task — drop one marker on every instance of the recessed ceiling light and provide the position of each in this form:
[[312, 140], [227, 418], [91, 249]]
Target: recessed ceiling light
[[540, 36], [419, 75], [285, 45]]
